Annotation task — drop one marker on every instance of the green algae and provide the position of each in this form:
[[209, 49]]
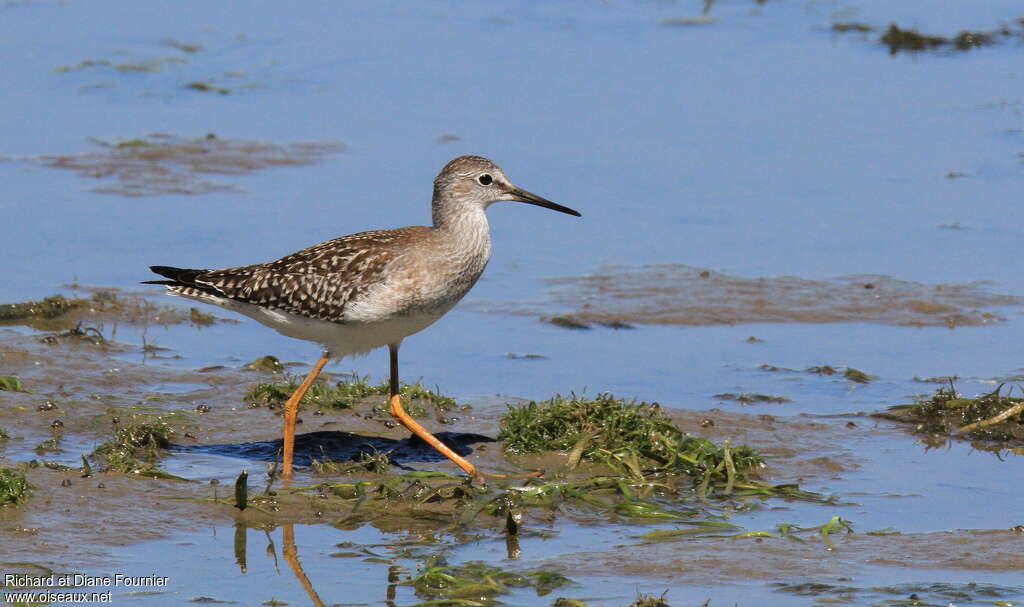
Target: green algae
[[899, 39], [136, 448], [267, 363], [623, 435], [843, 27], [10, 383], [650, 600], [994, 418], [346, 393], [206, 87], [14, 487], [184, 47], [910, 40], [46, 308], [851, 374], [79, 317], [376, 463], [478, 581]]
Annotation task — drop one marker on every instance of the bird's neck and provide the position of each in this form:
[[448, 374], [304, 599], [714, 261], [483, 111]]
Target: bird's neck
[[466, 228]]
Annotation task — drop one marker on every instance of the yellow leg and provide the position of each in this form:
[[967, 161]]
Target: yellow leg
[[291, 412], [395, 404]]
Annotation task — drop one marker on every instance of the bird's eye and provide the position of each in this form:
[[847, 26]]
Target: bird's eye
[[485, 179]]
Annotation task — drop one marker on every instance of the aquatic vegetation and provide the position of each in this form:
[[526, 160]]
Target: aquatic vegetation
[[844, 27], [994, 417], [81, 333], [149, 65], [136, 448], [14, 487], [748, 398], [47, 446], [3, 433], [346, 393], [199, 318], [564, 602], [900, 39], [10, 383], [206, 87], [650, 600], [623, 435], [184, 47], [78, 317], [48, 307], [376, 462], [855, 375], [478, 581], [266, 363]]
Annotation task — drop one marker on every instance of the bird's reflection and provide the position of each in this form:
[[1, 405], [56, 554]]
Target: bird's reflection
[[289, 551], [291, 556]]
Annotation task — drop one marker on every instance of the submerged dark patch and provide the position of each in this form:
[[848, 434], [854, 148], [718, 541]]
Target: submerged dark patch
[[675, 294], [169, 164]]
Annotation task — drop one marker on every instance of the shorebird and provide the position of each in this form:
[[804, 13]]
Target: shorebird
[[371, 289]]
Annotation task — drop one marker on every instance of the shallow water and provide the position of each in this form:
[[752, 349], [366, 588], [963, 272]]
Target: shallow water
[[761, 144]]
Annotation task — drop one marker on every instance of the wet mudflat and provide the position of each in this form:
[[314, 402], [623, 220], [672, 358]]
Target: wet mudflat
[[140, 458], [799, 224]]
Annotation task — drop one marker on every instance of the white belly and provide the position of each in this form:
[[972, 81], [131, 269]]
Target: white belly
[[341, 340]]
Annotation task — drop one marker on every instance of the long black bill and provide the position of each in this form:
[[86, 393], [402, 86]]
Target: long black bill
[[524, 196]]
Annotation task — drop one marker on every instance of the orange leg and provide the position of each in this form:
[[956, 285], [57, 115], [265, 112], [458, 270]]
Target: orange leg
[[291, 412], [399, 413]]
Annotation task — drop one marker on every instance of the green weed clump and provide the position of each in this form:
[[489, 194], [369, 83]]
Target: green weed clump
[[637, 437], [11, 384], [345, 394], [46, 308], [136, 449], [14, 487], [476, 581], [994, 417], [376, 463], [650, 600]]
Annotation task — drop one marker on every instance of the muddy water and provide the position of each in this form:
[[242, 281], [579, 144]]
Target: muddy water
[[754, 142]]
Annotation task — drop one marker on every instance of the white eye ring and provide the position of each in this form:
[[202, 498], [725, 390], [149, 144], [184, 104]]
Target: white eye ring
[[485, 179]]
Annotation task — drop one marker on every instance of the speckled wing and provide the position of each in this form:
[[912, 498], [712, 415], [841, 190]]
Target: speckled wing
[[318, 282]]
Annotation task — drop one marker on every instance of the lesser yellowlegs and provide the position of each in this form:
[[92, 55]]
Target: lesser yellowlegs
[[371, 289]]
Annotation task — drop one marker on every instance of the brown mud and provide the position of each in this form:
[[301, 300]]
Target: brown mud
[[171, 164], [711, 560], [676, 294]]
